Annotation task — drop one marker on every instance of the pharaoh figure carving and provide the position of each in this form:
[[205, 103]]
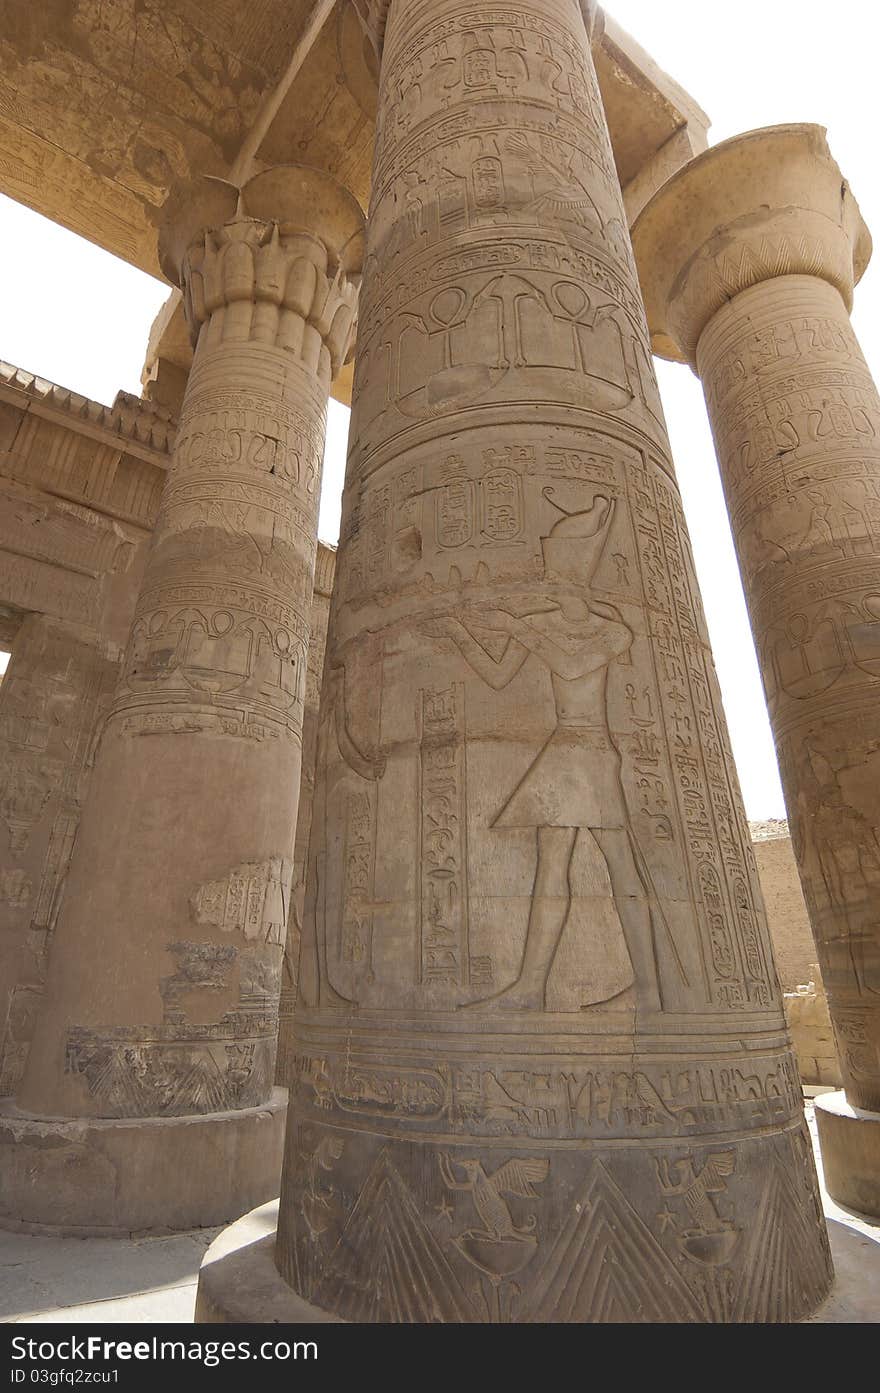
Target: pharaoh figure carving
[[535, 970], [573, 788]]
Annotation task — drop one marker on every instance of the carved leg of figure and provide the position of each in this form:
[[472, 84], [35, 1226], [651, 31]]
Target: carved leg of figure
[[551, 901], [632, 900]]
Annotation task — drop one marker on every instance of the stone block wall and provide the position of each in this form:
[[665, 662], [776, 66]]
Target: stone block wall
[[806, 1007], [806, 1010]]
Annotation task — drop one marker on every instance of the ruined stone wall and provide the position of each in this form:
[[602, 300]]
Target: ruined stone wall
[[79, 489]]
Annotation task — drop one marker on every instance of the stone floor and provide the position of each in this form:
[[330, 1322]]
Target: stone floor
[[109, 1280]]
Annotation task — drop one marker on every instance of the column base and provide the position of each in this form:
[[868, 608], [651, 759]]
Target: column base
[[239, 1283], [849, 1140], [109, 1178]]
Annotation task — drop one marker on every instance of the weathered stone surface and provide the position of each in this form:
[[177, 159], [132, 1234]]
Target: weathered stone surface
[[103, 109], [748, 260], [91, 1176], [543, 1071]]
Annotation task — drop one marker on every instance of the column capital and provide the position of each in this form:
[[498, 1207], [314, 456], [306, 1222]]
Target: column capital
[[768, 203], [287, 242]]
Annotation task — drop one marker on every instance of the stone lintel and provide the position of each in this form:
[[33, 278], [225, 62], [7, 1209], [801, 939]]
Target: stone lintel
[[132, 425]]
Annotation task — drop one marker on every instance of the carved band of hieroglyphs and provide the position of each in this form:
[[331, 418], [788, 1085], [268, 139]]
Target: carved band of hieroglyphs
[[573, 259], [493, 55], [135, 1072], [709, 798], [216, 435], [566, 1100], [216, 657], [269, 527], [444, 872], [498, 337]]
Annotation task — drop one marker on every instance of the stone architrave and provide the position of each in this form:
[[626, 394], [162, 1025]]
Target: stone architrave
[[543, 1072], [158, 1033], [748, 259]]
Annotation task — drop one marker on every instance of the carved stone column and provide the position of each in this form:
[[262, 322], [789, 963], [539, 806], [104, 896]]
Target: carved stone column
[[543, 1071], [748, 259], [158, 1033]]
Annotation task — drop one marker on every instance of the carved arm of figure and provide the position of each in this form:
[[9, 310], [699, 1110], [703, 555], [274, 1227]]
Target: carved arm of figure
[[448, 1174], [495, 672], [608, 641], [368, 766], [668, 1186]]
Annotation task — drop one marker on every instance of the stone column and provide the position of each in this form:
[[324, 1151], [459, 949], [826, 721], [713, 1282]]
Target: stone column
[[158, 1034], [543, 1072], [748, 258]]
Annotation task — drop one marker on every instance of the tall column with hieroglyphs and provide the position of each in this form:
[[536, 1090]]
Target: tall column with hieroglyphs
[[159, 1030], [748, 258], [543, 1072]]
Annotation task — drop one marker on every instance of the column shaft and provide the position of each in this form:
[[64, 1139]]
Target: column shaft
[[537, 999]]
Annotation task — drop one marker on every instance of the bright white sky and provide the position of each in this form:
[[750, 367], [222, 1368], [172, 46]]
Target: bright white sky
[[80, 317]]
